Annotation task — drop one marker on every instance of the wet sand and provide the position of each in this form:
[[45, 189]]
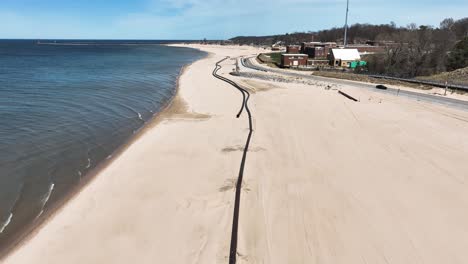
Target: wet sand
[[327, 180]]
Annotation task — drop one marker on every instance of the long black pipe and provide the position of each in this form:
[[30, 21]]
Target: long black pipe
[[235, 219], [348, 96]]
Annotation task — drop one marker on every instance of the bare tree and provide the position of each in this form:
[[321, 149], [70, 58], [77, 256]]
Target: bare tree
[[447, 24]]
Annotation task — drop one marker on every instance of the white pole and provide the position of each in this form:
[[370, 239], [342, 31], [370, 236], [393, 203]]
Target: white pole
[[446, 87], [346, 25]]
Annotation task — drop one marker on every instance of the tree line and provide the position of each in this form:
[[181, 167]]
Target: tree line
[[423, 50], [411, 50]]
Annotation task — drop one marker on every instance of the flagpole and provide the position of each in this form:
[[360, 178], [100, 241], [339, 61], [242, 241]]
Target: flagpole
[[346, 25]]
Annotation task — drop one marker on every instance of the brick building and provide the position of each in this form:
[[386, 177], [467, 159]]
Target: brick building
[[317, 50], [293, 49], [293, 60]]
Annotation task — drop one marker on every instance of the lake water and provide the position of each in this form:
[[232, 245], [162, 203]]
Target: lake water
[[67, 106]]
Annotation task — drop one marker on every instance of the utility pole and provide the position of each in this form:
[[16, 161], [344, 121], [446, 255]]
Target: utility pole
[[346, 25]]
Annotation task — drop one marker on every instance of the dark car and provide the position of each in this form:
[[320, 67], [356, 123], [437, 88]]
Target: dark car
[[381, 87]]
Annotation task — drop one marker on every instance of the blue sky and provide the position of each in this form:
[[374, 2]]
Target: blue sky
[[212, 19]]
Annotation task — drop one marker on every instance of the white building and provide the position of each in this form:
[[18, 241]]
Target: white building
[[344, 57]]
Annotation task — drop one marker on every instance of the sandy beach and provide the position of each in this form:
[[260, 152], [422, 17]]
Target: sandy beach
[[327, 180]]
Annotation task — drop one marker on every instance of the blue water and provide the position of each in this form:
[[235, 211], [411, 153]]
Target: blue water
[[67, 106]]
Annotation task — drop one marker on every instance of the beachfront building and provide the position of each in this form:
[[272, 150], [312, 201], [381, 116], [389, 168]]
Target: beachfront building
[[317, 50], [293, 49], [293, 60], [307, 45], [344, 57]]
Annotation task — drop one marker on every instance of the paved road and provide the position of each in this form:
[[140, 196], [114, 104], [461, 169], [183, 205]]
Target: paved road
[[460, 104]]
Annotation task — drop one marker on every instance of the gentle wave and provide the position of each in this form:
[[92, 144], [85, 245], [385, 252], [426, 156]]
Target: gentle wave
[[70, 108], [46, 198], [89, 164], [8, 221]]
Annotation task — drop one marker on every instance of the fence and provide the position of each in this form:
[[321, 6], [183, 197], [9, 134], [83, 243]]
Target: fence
[[433, 83]]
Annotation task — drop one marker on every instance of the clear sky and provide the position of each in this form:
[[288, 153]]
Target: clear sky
[[212, 19]]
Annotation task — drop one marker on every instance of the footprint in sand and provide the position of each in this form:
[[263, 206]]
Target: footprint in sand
[[231, 185], [241, 148]]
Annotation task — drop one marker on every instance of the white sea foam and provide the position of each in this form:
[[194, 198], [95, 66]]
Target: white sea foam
[[39, 215], [8, 221], [89, 164], [47, 196], [46, 199]]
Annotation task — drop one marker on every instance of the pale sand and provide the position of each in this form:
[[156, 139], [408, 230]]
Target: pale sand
[[327, 180]]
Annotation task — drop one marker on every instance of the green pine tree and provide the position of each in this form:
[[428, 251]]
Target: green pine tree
[[458, 57]]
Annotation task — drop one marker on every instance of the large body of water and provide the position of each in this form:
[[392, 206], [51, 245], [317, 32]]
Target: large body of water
[[67, 106]]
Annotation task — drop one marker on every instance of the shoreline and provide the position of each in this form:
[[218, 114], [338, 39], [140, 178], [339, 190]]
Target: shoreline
[[315, 188], [177, 112], [31, 229]]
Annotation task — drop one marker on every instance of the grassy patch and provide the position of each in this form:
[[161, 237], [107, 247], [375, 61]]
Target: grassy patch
[[274, 57], [459, 76]]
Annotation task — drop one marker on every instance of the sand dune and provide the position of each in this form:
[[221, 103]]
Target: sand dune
[[327, 180]]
